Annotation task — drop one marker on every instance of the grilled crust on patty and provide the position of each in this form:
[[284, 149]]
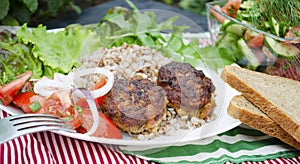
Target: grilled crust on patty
[[135, 106], [189, 91]]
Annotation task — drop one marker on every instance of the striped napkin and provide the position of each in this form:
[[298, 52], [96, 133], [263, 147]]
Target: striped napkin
[[52, 148], [235, 146]]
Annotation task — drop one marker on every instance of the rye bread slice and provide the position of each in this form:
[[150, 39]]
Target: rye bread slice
[[276, 96], [243, 110]]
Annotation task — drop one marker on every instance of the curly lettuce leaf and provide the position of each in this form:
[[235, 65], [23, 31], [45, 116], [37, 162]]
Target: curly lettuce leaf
[[60, 50]]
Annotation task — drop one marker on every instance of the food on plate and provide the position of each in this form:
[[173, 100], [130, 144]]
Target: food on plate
[[122, 83], [277, 97], [133, 51], [106, 128], [133, 54], [189, 91], [42, 52], [10, 90], [242, 109], [56, 96], [127, 61], [136, 105], [262, 35], [138, 67]]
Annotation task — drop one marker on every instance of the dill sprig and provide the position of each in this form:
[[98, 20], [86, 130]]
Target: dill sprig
[[286, 12]]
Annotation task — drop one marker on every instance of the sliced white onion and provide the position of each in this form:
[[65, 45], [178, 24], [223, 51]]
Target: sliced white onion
[[67, 79], [45, 87], [104, 89], [93, 108]]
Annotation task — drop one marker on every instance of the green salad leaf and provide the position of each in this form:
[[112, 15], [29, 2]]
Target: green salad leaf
[[132, 28], [216, 57], [16, 58], [43, 52], [121, 26], [61, 50]]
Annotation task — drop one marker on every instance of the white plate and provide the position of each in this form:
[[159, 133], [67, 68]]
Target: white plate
[[221, 124]]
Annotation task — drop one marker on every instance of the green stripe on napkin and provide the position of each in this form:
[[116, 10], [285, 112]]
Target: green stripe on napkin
[[237, 145]]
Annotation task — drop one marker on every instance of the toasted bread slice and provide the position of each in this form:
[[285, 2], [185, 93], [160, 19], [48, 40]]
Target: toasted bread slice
[[242, 109], [276, 96]]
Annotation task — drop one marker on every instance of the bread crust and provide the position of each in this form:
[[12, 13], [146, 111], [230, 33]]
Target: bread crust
[[271, 109], [258, 120]]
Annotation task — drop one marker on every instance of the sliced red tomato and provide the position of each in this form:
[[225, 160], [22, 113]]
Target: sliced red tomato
[[106, 127], [23, 101], [73, 118], [30, 102], [99, 101], [98, 85], [219, 17], [81, 129], [256, 42], [10, 90], [63, 97], [55, 105], [231, 7]]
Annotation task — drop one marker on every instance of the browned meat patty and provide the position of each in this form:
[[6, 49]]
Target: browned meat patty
[[189, 91], [136, 106]]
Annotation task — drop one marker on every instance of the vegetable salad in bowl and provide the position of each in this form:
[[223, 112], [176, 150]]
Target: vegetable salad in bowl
[[262, 35]]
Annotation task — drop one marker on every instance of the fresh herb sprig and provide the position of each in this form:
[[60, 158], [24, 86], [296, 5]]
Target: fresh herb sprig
[[286, 13]]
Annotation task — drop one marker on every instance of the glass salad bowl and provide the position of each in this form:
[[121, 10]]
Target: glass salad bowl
[[269, 46]]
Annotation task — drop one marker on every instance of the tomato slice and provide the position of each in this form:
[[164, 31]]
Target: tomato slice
[[231, 7], [106, 127], [23, 101], [80, 129], [219, 17], [63, 97], [99, 101], [256, 41], [10, 90], [58, 104], [98, 85]]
